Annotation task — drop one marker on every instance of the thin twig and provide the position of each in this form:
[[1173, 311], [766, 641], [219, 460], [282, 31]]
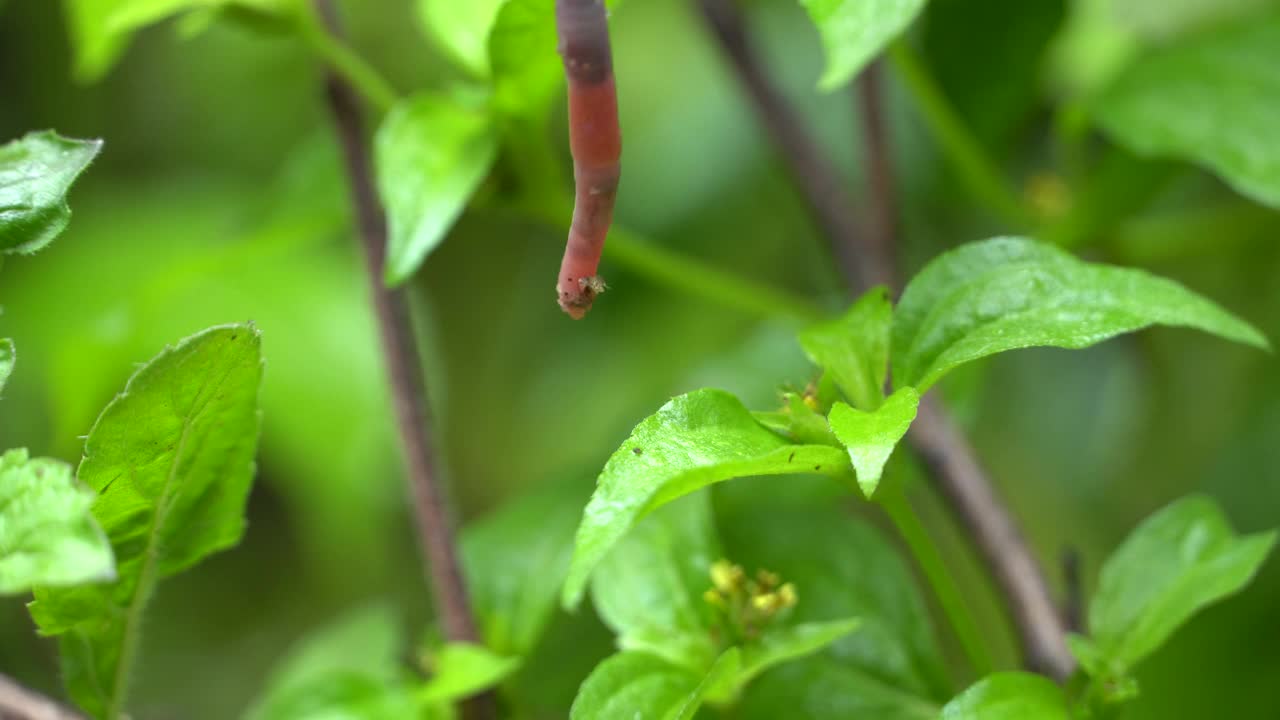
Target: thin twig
[[945, 450], [21, 703], [404, 370]]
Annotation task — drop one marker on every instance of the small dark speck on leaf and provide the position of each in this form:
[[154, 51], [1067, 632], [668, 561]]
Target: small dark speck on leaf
[[793, 457], [817, 467], [637, 451]]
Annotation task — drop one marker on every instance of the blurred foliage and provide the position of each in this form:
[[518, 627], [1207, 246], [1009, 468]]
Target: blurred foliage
[[218, 199]]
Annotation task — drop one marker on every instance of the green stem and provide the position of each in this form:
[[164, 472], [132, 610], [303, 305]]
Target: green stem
[[976, 169], [345, 62], [896, 505]]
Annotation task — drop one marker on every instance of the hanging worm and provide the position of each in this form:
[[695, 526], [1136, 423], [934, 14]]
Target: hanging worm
[[596, 144]]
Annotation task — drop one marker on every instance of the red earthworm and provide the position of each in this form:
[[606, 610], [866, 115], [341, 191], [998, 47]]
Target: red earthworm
[[596, 144]]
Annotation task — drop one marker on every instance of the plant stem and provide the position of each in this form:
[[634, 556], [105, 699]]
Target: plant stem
[[341, 60], [20, 703], [978, 171], [895, 504], [404, 370]]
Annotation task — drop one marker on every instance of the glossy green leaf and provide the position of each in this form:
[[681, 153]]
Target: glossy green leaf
[[432, 153], [172, 459], [348, 670], [515, 561], [633, 684], [649, 588], [872, 436], [462, 29], [855, 31], [36, 172], [8, 357], [1175, 563], [1009, 696], [1008, 293], [47, 534], [821, 688], [854, 349], [1208, 101], [697, 439], [460, 670]]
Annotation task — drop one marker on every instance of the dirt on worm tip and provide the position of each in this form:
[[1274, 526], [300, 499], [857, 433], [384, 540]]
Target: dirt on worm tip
[[576, 304]]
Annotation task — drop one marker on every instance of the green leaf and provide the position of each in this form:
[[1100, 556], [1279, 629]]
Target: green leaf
[[515, 562], [1009, 696], [461, 670], [1007, 293], [1178, 561], [47, 534], [1162, 20], [35, 174], [347, 670], [649, 588], [172, 459], [787, 643], [855, 31], [820, 688], [697, 439], [432, 153], [462, 29], [633, 684], [854, 349], [1207, 101], [872, 436], [8, 356]]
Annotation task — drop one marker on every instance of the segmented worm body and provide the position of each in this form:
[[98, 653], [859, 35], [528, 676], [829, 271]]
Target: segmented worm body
[[596, 144]]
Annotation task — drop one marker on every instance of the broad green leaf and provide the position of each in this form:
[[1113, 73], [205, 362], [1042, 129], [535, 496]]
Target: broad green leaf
[[462, 29], [825, 551], [347, 670], [1178, 561], [432, 153], [460, 670], [172, 459], [47, 534], [854, 349], [633, 684], [35, 174], [7, 359], [1009, 696], [1161, 20], [855, 31], [787, 643], [821, 688], [872, 436], [515, 562], [1008, 293], [697, 439], [649, 588], [722, 674], [1207, 101]]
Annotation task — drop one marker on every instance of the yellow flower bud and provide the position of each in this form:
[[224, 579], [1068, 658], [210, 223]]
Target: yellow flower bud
[[787, 594]]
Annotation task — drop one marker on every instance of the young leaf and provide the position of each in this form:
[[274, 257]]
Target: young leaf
[[432, 153], [1009, 696], [348, 669], [649, 588], [515, 561], [633, 684], [1207, 100], [821, 688], [171, 459], [462, 29], [461, 670], [7, 359], [854, 349], [697, 439], [787, 643], [47, 534], [35, 174], [1007, 293], [1178, 561], [872, 436], [855, 31]]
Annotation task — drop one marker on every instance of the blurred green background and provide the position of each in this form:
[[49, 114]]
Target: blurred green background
[[218, 199]]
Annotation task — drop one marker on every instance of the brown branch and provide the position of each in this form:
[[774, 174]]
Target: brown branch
[[404, 371], [945, 450], [21, 703]]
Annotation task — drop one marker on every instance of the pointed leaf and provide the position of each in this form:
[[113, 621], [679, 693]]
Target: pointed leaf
[[1207, 100], [792, 642], [693, 441], [633, 684], [462, 29], [855, 31], [7, 359], [460, 670], [854, 349], [1009, 696], [1177, 562], [35, 174], [47, 534], [1007, 293], [172, 460], [432, 153], [872, 436]]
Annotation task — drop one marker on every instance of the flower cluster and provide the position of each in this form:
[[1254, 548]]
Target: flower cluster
[[745, 604]]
